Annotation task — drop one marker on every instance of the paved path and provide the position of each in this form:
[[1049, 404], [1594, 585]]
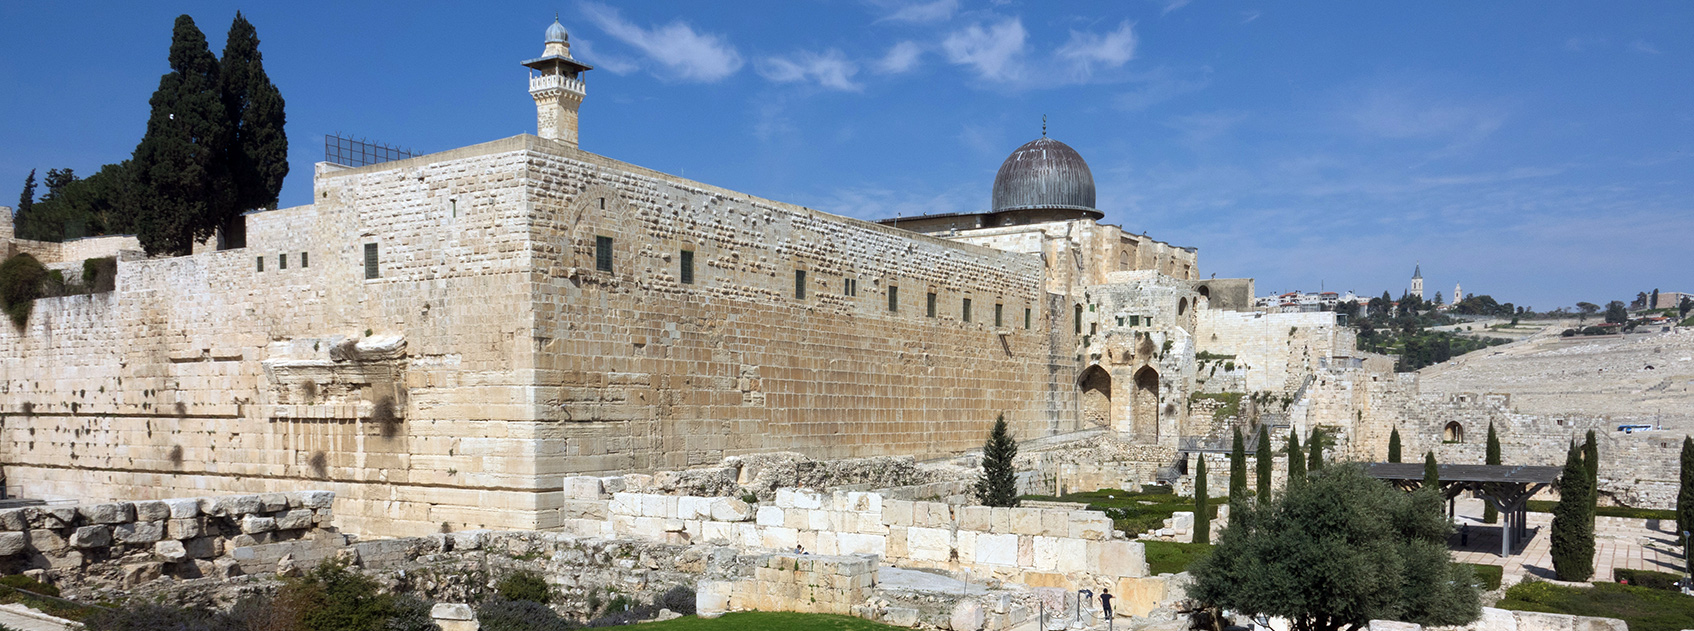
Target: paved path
[[1639, 544], [22, 618]]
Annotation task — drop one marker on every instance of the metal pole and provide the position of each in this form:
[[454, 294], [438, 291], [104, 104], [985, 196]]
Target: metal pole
[[1505, 535]]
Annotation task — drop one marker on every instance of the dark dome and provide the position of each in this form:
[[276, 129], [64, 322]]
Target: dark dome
[[1044, 173]]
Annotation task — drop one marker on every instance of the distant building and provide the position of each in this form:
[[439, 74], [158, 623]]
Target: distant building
[[1417, 281]]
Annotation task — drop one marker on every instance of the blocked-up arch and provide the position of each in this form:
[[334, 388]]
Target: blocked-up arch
[[1096, 385], [1145, 404]]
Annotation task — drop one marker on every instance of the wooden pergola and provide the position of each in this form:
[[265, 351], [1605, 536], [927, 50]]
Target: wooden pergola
[[1505, 487]]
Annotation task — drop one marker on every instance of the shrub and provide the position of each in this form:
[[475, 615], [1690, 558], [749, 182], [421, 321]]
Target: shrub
[[21, 280], [153, 617], [26, 583], [496, 614], [100, 274], [525, 586], [1647, 578], [679, 599]]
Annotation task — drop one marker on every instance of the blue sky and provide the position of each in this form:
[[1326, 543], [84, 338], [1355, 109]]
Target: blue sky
[[1539, 152]]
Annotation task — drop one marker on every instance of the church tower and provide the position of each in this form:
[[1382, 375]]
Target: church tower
[[555, 81], [1458, 294], [1417, 281]]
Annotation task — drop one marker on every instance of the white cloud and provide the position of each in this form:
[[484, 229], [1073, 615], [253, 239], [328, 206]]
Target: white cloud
[[993, 52], [1641, 46], [903, 57], [830, 69], [1249, 16], [1172, 5], [683, 53], [1111, 50], [1409, 112], [935, 11], [614, 64]]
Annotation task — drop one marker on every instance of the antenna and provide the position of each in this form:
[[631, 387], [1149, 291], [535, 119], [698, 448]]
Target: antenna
[[1043, 125]]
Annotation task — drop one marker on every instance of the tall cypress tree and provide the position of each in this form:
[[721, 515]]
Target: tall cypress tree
[[1296, 460], [1573, 521], [181, 165], [23, 216], [258, 158], [1202, 505], [1394, 445], [1237, 469], [998, 485], [1431, 471], [1591, 459], [1489, 515], [1262, 466], [1314, 444], [1685, 501]]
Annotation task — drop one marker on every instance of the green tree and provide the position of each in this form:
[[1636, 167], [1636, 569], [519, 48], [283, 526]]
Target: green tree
[[1616, 313], [1314, 444], [1336, 552], [1394, 445], [181, 165], [1685, 501], [1202, 504], [1591, 458], [1573, 521], [1262, 466], [1296, 460], [1431, 471], [21, 279], [1237, 468], [1489, 515], [998, 485], [24, 214], [258, 159]]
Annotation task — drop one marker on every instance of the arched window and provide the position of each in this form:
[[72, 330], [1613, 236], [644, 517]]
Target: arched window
[[1182, 305], [1454, 433]]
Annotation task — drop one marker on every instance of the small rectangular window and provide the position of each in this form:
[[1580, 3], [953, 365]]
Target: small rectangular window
[[304, 260], [1135, 320], [282, 261], [965, 310], [261, 263], [687, 267], [893, 299], [370, 261], [999, 315], [849, 287], [603, 253], [932, 304], [799, 284], [1026, 318]]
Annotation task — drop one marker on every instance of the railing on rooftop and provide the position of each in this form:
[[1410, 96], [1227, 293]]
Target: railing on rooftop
[[346, 151]]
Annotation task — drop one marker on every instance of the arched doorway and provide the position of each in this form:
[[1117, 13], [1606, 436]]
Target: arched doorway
[[1205, 292], [1146, 404], [1096, 386], [1453, 433]]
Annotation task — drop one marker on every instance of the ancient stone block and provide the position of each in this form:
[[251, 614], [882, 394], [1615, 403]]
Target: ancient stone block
[[1394, 625], [226, 568], [295, 519], [1026, 521], [138, 573], [1055, 523], [452, 611], [1182, 522], [184, 507], [583, 487], [184, 528], [929, 544], [1073, 555], [1046, 553], [47, 541], [317, 499], [1090, 526], [854, 543], [583, 509], [273, 502], [940, 514], [206, 547], [777, 538], [14, 519], [896, 542], [12, 543], [170, 550], [114, 513], [92, 537], [968, 615], [730, 509], [1000, 520], [993, 549], [975, 518], [900, 616], [625, 504], [1123, 558], [690, 507], [152, 511], [253, 524], [139, 532], [770, 516], [897, 513]]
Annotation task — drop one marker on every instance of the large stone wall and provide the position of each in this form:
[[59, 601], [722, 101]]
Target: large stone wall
[[1276, 350]]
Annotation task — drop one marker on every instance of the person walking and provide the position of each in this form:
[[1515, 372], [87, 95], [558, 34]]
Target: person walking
[[1106, 602]]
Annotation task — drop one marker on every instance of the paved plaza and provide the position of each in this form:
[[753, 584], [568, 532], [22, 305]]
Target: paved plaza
[[1641, 544]]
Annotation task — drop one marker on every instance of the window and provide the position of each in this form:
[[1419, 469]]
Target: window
[[282, 261], [1135, 320], [261, 260], [965, 310], [999, 314], [370, 261], [932, 304], [850, 287], [799, 284], [304, 261], [1026, 318], [687, 267], [603, 253], [1079, 319], [893, 299]]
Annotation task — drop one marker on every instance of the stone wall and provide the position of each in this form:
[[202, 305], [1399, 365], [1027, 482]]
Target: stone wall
[[126, 543], [1493, 619], [793, 582], [1276, 350]]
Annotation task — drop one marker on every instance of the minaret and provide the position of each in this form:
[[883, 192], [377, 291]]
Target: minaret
[[1417, 282], [1458, 294], [555, 81]]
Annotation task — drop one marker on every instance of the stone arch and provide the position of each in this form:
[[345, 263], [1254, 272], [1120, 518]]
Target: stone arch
[[1145, 404], [1453, 433], [1205, 292], [1123, 260], [1096, 385], [1182, 305], [597, 211]]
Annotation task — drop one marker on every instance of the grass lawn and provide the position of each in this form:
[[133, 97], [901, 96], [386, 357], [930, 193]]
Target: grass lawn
[[1169, 557], [1645, 609], [1487, 576], [772, 621], [1134, 513]]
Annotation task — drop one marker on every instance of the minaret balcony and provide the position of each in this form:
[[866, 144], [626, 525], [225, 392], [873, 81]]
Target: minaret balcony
[[542, 83]]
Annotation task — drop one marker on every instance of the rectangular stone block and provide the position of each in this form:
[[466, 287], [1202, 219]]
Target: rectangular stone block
[[780, 538], [997, 549], [114, 513], [273, 502], [855, 543], [940, 515], [1055, 523], [1046, 553], [295, 519], [152, 511], [964, 542], [1000, 520], [315, 500], [625, 504], [863, 502], [796, 518], [1090, 525], [929, 544], [1123, 558], [1073, 555], [897, 513], [14, 519], [139, 532], [46, 541], [896, 542], [690, 507], [975, 518], [583, 509], [183, 507], [820, 520], [1026, 521], [583, 488], [769, 516]]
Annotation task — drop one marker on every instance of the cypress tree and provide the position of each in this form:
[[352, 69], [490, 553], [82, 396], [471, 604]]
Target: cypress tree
[[1237, 469], [1685, 501], [998, 485], [1489, 515], [1202, 505], [181, 165], [1431, 471], [1573, 521], [1591, 459], [23, 216], [258, 157], [1262, 466], [1394, 445], [1296, 460], [1314, 444]]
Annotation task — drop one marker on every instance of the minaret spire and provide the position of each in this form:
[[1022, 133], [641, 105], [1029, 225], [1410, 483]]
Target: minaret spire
[[555, 82], [1043, 125]]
